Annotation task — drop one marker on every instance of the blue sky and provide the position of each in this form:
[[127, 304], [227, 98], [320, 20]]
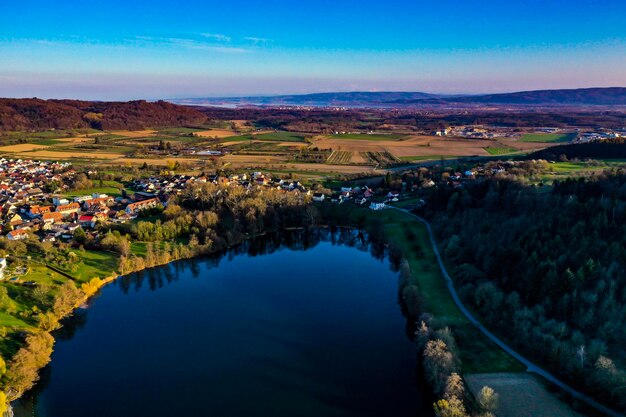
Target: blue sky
[[164, 49]]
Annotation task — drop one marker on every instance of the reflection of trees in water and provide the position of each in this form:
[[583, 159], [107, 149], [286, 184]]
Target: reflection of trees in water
[[296, 240], [71, 324], [26, 405]]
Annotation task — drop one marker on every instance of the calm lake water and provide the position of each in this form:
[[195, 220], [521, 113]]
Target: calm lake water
[[312, 328]]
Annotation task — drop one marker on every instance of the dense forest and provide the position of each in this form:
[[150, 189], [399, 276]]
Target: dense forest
[[547, 269], [36, 114], [607, 149]]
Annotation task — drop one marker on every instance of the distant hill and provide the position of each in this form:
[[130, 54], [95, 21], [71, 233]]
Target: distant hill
[[613, 96], [37, 114], [350, 99]]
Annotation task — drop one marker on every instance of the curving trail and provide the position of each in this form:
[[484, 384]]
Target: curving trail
[[531, 367]]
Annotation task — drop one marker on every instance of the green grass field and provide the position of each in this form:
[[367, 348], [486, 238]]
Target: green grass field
[[499, 150], [179, 130], [96, 264], [548, 137], [270, 137], [111, 188], [366, 136]]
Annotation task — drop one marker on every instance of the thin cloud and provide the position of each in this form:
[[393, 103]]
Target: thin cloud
[[216, 36], [256, 40], [192, 44]]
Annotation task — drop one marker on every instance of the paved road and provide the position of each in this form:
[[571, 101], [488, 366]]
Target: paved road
[[531, 367]]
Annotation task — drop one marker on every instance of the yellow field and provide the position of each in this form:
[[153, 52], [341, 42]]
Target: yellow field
[[22, 147], [81, 139], [57, 155], [422, 146], [134, 133], [215, 133], [240, 124], [252, 159]]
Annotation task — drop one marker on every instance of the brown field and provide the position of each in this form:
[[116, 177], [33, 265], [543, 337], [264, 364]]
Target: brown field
[[424, 146], [327, 168], [153, 161], [56, 155], [357, 158], [22, 147], [134, 133], [240, 124], [215, 133], [81, 139], [415, 146], [252, 159], [525, 146], [520, 395]]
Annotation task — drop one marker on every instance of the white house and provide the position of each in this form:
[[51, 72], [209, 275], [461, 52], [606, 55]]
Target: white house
[[3, 265]]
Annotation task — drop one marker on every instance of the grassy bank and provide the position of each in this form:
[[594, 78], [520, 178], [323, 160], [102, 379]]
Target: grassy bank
[[477, 353]]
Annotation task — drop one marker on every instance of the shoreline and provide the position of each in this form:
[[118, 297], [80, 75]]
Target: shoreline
[[83, 302]]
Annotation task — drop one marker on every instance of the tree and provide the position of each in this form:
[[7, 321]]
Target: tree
[[438, 364], [67, 299], [450, 408], [4, 405], [488, 399], [22, 372], [79, 235], [454, 387]]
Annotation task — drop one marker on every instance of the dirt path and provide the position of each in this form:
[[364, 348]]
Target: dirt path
[[531, 367]]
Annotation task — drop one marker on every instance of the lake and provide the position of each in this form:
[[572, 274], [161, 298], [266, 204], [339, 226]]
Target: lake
[[285, 326]]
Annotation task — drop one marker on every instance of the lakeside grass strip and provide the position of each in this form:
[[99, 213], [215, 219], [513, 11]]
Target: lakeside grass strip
[[477, 353]]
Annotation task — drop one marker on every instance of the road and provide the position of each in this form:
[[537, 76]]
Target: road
[[531, 367]]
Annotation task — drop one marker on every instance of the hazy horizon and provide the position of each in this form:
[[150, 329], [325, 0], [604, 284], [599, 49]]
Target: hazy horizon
[[160, 49]]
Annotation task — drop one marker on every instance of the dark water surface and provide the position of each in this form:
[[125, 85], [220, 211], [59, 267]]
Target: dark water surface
[[309, 332]]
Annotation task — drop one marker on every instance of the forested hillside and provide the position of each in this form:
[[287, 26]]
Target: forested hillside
[[546, 269], [606, 149], [36, 114]]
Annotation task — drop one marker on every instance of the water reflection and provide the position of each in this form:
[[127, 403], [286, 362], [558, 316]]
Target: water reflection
[[262, 329]]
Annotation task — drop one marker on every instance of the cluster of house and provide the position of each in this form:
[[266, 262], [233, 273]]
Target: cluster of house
[[598, 135], [26, 208], [360, 195], [163, 186], [57, 216], [476, 132]]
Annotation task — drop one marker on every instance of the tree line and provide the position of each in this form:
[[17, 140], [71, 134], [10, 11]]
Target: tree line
[[546, 269]]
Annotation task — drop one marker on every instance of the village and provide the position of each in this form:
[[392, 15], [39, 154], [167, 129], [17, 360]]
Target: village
[[34, 200]]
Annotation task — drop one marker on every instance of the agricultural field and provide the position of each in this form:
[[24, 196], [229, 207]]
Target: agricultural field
[[370, 136], [382, 159], [340, 157], [499, 150], [548, 137], [562, 170], [269, 136], [241, 147]]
